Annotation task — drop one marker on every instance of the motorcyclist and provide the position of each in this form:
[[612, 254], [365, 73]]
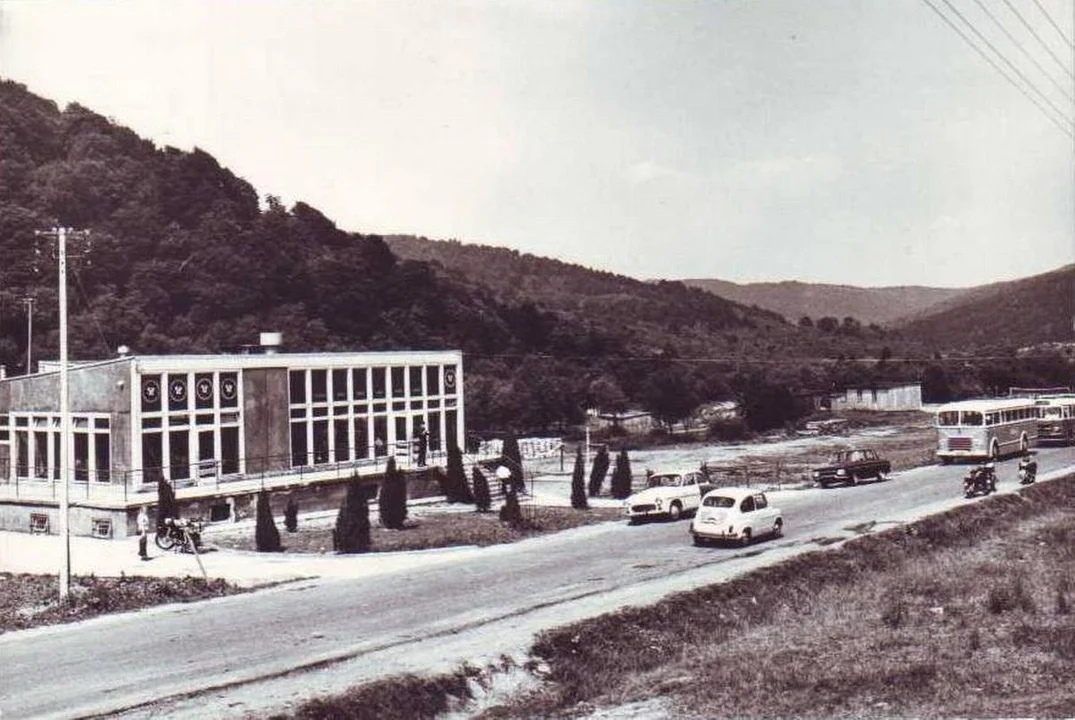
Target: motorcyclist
[[1028, 468]]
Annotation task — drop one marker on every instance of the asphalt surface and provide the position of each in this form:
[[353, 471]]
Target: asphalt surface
[[217, 658]]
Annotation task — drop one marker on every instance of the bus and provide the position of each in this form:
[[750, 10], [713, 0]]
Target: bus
[[1056, 419], [986, 429]]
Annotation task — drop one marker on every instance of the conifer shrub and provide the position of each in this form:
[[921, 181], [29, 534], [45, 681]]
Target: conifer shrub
[[457, 488], [352, 532], [514, 459], [266, 536], [510, 512], [621, 476], [291, 515], [392, 507], [482, 497], [601, 463], [578, 482]]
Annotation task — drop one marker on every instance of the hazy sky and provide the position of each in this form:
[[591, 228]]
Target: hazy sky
[[847, 141]]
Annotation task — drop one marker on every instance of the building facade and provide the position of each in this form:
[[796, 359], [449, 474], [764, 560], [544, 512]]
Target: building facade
[[881, 396], [217, 427]]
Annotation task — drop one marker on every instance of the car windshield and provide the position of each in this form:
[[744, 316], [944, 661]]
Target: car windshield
[[719, 501], [665, 481]]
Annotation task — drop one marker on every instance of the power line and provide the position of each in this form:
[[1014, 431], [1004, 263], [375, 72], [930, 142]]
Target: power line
[[1009, 63], [1063, 128], [1067, 43], [1031, 58], [1032, 31]]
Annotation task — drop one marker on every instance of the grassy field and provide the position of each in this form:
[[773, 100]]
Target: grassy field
[[965, 614], [435, 530], [31, 600]]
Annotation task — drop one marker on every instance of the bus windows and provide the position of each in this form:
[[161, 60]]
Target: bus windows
[[972, 418], [948, 419]]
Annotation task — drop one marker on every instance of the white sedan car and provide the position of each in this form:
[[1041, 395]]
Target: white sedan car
[[736, 515], [667, 495]]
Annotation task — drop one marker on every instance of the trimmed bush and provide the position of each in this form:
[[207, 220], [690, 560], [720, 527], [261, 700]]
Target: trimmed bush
[[457, 489], [266, 536], [352, 532], [514, 462], [291, 515], [578, 482], [392, 507], [482, 497], [621, 476], [510, 512], [601, 463]]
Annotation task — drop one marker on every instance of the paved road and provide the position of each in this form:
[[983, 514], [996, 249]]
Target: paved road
[[423, 620]]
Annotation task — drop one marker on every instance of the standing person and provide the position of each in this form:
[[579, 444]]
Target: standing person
[[143, 532]]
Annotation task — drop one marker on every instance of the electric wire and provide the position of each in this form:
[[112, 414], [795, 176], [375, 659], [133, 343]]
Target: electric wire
[[1067, 43], [955, 28], [1032, 31], [1022, 48], [1009, 63]]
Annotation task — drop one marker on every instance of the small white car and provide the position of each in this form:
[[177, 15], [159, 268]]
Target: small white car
[[667, 495], [736, 515]]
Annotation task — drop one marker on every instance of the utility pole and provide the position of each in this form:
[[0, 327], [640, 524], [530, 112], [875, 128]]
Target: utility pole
[[61, 234], [29, 303]]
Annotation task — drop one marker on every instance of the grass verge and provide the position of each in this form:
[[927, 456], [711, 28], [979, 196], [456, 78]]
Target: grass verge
[[438, 530], [32, 600], [963, 614]]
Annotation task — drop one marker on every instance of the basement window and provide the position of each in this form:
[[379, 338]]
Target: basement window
[[102, 528], [39, 523]]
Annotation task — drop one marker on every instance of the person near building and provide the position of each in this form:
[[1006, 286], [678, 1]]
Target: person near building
[[143, 533]]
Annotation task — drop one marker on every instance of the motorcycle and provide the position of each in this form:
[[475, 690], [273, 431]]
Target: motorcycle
[[180, 535], [1028, 470], [981, 480]]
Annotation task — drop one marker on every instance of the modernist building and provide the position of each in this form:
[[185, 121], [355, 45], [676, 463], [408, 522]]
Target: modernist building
[[218, 427]]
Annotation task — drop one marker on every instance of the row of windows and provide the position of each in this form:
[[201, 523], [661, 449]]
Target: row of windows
[[37, 447], [342, 385], [184, 392], [349, 439]]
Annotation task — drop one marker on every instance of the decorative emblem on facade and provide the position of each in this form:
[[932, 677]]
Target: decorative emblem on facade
[[227, 388], [177, 390], [204, 389], [449, 379], [151, 391]]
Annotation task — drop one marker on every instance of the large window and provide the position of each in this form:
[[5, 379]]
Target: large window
[[38, 447], [191, 425]]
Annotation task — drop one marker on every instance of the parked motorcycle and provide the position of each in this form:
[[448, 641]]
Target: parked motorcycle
[[981, 480], [1028, 469], [180, 535]]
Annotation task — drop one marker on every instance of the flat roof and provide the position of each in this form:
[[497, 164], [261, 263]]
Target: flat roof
[[166, 363]]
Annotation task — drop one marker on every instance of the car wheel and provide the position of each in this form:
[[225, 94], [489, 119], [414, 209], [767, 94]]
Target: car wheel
[[824, 486], [746, 539], [699, 541], [881, 476], [675, 512], [854, 479], [634, 521], [778, 528]]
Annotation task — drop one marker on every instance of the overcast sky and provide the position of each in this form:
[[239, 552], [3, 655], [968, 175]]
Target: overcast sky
[[858, 142]]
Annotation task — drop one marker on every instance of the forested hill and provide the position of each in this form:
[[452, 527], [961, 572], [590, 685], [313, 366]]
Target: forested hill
[[794, 299], [1004, 316]]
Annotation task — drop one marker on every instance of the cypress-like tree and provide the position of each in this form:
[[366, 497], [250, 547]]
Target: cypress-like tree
[[266, 536], [510, 512], [514, 457], [352, 533], [392, 507], [291, 515], [482, 497], [578, 482], [597, 473], [621, 476], [458, 490], [167, 507]]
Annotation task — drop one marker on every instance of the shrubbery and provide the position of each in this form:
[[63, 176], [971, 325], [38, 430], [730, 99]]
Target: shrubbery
[[578, 482], [482, 497], [392, 507], [266, 536], [352, 533], [601, 463], [621, 476]]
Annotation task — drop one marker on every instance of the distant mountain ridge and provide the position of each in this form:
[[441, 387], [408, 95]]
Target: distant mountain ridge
[[793, 299]]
